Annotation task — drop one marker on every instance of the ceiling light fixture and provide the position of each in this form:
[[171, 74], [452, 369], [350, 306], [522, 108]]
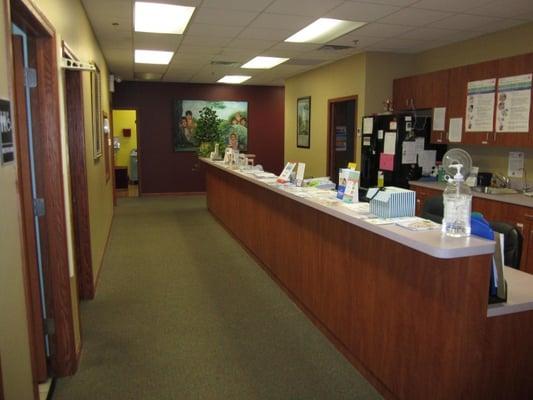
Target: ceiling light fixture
[[324, 30], [153, 57], [264, 62], [234, 79], [161, 18]]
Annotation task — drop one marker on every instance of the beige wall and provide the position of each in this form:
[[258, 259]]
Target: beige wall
[[14, 341], [368, 75], [341, 79], [70, 22]]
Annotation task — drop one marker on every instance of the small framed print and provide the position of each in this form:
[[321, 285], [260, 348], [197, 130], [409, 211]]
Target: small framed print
[[303, 122]]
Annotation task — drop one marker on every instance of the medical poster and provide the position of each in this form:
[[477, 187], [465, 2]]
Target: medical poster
[[514, 104], [480, 106]]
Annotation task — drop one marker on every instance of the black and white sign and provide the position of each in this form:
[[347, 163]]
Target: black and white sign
[[6, 133]]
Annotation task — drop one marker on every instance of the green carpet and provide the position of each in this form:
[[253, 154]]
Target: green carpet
[[183, 312]]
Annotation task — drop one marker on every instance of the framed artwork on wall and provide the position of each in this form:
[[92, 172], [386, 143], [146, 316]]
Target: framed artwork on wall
[[303, 122], [233, 125], [97, 117]]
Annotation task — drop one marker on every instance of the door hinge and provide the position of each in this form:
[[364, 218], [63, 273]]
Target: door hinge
[[30, 77], [49, 326], [38, 207]]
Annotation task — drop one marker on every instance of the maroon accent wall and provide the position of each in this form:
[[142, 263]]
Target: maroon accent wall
[[161, 170]]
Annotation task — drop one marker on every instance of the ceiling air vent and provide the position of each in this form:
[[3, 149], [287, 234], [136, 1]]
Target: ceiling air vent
[[334, 47], [225, 63]]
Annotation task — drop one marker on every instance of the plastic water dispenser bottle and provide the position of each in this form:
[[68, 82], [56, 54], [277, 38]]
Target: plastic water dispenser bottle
[[457, 206]]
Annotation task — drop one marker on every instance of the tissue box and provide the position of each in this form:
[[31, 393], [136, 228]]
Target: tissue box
[[392, 202]]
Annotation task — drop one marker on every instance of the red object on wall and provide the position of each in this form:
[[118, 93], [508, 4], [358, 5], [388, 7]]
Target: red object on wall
[[126, 132], [161, 170]]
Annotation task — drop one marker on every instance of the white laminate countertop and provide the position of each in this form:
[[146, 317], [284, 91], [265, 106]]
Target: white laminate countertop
[[431, 242], [519, 296], [516, 199]]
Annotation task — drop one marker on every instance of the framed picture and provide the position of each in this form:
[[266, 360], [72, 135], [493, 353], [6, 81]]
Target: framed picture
[[303, 122], [97, 117], [233, 125]]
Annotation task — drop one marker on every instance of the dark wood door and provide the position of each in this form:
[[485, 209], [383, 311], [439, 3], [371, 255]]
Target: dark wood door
[[403, 93], [431, 90], [341, 135]]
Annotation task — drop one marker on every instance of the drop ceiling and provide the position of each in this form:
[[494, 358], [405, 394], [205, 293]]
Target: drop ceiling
[[224, 34]]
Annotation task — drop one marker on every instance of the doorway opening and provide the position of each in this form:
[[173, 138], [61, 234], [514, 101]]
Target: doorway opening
[[342, 127], [126, 153]]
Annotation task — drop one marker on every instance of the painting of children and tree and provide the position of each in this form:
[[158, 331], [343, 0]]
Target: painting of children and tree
[[233, 123]]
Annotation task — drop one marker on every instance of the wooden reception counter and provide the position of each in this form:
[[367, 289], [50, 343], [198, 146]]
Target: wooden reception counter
[[413, 320]]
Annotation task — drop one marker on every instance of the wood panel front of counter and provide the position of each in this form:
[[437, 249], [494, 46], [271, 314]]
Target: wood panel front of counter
[[415, 326]]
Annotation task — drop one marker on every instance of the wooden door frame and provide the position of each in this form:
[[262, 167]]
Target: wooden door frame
[[78, 183], [64, 358], [331, 148], [137, 124]]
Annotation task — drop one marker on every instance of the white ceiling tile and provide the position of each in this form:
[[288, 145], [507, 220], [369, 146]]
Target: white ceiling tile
[[464, 22], [382, 30], [450, 5], [116, 41], [254, 32], [500, 25], [159, 69], [300, 47], [357, 11], [518, 9], [427, 33], [414, 17], [209, 41], [156, 41], [289, 22], [273, 52], [210, 30], [237, 55], [400, 3], [245, 5], [258, 44], [309, 8], [204, 50], [360, 41], [206, 15]]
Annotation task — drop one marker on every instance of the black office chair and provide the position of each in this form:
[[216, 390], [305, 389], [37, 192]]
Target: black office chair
[[512, 239], [433, 209]]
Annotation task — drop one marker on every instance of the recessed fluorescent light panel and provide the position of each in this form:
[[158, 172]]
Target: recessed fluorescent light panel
[[161, 18], [234, 79], [264, 62], [324, 30], [153, 57]]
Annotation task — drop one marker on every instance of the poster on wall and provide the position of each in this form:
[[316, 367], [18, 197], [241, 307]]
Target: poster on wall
[[234, 124], [514, 104], [480, 106], [6, 133], [303, 122], [340, 138]]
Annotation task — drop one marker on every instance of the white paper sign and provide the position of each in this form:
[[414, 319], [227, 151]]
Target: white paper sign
[[389, 147], [286, 173], [514, 104], [409, 153], [455, 132], [368, 125], [419, 144], [516, 164], [300, 170], [380, 134], [439, 118], [427, 160], [480, 106]]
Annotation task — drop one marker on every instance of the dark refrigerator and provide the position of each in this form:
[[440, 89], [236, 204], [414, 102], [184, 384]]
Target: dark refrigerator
[[391, 131]]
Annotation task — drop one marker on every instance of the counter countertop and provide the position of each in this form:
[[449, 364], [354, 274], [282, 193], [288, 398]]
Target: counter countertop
[[519, 296], [431, 242], [516, 199]]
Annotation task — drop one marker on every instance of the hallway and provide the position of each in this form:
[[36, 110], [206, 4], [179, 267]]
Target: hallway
[[183, 312]]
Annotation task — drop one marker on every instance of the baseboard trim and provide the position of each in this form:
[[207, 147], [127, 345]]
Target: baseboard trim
[[366, 373], [144, 194]]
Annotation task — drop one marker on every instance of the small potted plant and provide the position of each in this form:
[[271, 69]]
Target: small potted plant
[[207, 131]]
